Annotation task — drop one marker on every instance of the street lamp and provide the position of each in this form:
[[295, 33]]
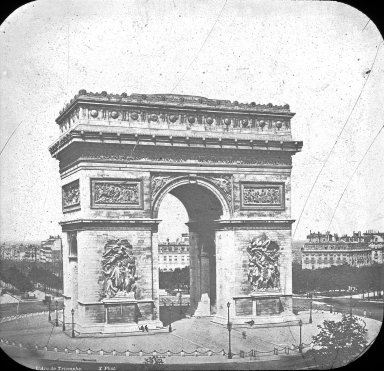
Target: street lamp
[[63, 318], [229, 326], [301, 344], [310, 308], [180, 300], [57, 316], [73, 322], [49, 311], [170, 318]]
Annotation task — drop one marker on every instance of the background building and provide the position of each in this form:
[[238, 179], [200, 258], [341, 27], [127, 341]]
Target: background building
[[376, 243], [51, 250], [174, 255], [322, 250]]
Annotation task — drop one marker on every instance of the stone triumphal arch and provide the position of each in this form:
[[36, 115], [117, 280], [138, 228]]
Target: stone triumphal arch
[[229, 163]]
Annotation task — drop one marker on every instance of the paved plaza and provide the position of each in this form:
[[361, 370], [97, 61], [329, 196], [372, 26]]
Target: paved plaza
[[192, 341]]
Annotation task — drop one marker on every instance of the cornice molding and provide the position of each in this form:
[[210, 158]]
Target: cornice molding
[[177, 101], [109, 224], [198, 140]]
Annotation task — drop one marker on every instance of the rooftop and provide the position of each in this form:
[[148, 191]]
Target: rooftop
[[176, 100], [166, 119]]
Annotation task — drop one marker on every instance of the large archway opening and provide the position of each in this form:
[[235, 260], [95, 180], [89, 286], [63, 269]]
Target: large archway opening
[[173, 252], [203, 205]]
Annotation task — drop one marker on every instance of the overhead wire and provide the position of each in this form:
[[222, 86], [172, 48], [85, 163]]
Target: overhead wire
[[336, 141], [201, 47], [351, 177]]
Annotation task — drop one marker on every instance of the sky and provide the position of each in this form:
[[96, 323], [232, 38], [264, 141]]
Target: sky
[[325, 59]]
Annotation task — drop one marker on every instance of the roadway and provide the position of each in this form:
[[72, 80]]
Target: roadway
[[371, 309]]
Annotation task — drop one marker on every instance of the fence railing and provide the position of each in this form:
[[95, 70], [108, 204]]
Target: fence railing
[[253, 353]]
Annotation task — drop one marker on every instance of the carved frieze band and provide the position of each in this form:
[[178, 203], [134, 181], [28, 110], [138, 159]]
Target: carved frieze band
[[223, 182], [116, 194], [71, 196], [210, 121], [180, 155], [269, 196]]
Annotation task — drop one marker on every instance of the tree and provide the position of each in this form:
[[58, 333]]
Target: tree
[[339, 343], [16, 278], [154, 363]]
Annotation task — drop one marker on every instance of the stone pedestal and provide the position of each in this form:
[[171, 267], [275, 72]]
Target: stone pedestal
[[127, 315], [247, 302]]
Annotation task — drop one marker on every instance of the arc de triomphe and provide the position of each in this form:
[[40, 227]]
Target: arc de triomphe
[[229, 163]]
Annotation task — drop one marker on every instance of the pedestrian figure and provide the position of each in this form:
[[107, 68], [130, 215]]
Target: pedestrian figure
[[146, 328], [142, 328], [244, 335]]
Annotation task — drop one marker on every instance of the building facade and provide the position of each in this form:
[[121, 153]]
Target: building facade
[[376, 243], [51, 250], [229, 163], [323, 250], [174, 255], [19, 252]]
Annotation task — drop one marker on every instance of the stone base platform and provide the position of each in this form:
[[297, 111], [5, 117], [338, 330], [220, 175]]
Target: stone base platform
[[257, 320], [131, 327], [109, 328]]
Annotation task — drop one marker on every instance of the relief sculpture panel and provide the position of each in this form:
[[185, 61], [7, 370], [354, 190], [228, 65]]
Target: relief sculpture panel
[[263, 264], [119, 270], [269, 196], [71, 196], [223, 182], [116, 194], [158, 182]]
